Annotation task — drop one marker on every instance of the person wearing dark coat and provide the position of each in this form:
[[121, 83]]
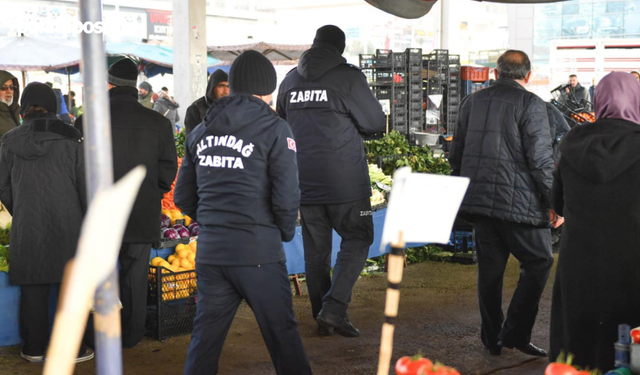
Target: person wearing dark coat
[[330, 108], [139, 136], [576, 95], [217, 87], [558, 127], [9, 106], [502, 143], [239, 181], [166, 106], [62, 111], [595, 188], [42, 184]]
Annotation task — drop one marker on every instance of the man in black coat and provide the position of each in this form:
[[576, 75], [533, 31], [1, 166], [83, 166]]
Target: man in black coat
[[42, 184], [217, 87], [239, 180], [330, 107], [502, 143], [139, 136], [576, 96]]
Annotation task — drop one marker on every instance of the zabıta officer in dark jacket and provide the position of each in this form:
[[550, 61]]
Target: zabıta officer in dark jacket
[[239, 180], [139, 136], [42, 184], [217, 87], [502, 143], [330, 107], [596, 189]]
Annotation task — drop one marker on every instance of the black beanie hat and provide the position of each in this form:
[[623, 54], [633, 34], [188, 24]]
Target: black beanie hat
[[145, 85], [123, 73], [37, 93], [330, 36], [252, 73]]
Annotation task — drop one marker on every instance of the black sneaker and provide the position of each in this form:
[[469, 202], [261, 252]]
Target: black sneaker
[[340, 324], [86, 356]]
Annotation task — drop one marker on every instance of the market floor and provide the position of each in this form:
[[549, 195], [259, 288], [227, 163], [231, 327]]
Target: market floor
[[438, 316]]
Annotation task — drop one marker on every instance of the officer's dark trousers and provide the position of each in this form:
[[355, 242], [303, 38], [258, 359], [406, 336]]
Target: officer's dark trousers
[[267, 290], [495, 241], [134, 270], [354, 223]]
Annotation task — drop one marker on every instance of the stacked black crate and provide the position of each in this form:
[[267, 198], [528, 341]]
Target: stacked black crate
[[435, 80], [453, 93], [385, 72], [415, 100]]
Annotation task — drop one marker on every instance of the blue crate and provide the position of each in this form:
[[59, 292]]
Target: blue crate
[[469, 87]]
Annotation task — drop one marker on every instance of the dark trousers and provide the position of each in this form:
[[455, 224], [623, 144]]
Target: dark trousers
[[354, 223], [35, 319], [267, 290], [495, 241], [134, 268]]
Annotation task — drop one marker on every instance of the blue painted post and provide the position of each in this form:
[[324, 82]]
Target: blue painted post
[[99, 168]]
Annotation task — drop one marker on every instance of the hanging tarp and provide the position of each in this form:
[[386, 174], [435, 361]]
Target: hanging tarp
[[417, 8], [28, 53], [273, 51]]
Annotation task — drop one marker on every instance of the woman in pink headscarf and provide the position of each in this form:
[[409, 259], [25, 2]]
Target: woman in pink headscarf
[[596, 188]]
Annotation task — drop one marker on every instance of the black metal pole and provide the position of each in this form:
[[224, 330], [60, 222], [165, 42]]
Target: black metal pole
[[99, 168]]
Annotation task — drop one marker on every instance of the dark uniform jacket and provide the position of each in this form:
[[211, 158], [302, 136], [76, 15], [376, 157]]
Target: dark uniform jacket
[[141, 136], [330, 107], [503, 144], [42, 184], [239, 181]]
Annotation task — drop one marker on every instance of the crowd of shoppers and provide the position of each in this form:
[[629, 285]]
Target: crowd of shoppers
[[307, 156]]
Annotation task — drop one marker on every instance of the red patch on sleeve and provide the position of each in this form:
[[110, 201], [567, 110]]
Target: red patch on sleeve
[[291, 144]]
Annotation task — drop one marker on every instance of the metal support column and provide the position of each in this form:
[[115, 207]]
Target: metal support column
[[99, 168]]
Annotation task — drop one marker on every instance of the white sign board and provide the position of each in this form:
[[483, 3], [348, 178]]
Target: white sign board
[[422, 219]]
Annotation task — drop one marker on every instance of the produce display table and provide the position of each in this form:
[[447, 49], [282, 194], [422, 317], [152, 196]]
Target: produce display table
[[294, 250]]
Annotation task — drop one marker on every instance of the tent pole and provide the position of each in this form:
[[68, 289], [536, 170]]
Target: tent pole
[[69, 90], [99, 171], [24, 79]]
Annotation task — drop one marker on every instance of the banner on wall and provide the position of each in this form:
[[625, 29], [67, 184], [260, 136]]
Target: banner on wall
[[159, 25]]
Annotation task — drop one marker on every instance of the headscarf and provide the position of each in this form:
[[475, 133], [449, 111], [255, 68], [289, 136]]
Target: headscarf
[[39, 94], [618, 97]]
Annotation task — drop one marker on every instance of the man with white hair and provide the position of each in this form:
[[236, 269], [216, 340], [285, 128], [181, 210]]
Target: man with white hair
[[9, 107]]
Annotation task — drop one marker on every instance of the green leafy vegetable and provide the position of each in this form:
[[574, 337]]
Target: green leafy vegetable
[[395, 151], [4, 259], [180, 139]]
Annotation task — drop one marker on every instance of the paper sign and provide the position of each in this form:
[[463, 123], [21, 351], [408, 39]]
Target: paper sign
[[436, 100], [423, 206], [386, 106]]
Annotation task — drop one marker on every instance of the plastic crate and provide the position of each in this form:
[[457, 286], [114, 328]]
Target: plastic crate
[[414, 56], [399, 60], [399, 109], [400, 127], [471, 73], [434, 86], [367, 61], [469, 87], [164, 243], [171, 302]]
